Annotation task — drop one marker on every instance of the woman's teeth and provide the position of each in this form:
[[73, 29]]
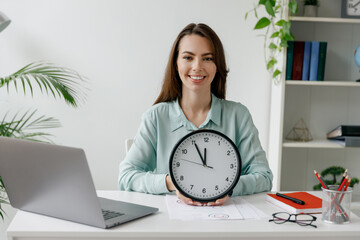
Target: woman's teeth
[[197, 78]]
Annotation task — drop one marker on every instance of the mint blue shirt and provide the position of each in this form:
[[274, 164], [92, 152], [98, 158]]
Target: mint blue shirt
[[146, 165]]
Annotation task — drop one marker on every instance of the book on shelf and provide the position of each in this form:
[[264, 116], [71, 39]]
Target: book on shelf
[[289, 59], [298, 60], [344, 130], [322, 60], [312, 204], [314, 61], [306, 61], [348, 141]]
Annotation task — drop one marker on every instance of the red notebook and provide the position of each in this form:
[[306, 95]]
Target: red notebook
[[312, 204]]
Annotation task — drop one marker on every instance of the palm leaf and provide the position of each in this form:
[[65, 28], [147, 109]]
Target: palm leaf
[[26, 126], [57, 81], [3, 198]]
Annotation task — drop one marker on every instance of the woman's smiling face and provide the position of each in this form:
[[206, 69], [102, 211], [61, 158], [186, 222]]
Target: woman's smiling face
[[195, 63]]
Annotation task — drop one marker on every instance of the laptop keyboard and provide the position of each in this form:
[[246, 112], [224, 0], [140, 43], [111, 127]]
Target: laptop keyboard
[[110, 214]]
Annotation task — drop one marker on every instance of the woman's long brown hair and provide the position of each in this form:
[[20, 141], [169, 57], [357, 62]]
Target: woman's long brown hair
[[172, 85]]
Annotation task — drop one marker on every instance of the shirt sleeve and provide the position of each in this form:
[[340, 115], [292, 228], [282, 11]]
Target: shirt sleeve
[[137, 170], [256, 175]]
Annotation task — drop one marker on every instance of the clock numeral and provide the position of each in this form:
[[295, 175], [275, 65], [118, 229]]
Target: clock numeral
[[193, 142], [206, 139], [184, 151], [227, 179], [191, 187], [228, 153], [231, 166], [219, 143], [216, 187], [181, 178], [178, 164], [204, 190]]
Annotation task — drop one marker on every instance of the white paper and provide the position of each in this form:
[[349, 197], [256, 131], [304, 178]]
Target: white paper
[[247, 210], [179, 210]]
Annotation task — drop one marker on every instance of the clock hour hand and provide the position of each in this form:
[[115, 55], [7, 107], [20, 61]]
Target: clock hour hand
[[197, 149]]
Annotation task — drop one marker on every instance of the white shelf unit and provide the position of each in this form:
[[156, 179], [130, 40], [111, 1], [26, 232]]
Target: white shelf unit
[[322, 104]]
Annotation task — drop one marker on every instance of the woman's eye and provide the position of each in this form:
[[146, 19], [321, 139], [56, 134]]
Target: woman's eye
[[208, 59], [187, 57]]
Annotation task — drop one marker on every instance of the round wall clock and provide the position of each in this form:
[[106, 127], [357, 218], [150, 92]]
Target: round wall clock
[[205, 165], [350, 9]]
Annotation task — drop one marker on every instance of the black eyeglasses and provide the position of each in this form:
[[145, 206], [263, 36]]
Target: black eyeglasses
[[301, 219]]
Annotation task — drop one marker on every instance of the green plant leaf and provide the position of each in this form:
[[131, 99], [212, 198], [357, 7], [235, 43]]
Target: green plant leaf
[[271, 63], [262, 23], [27, 125], [275, 34], [269, 8], [62, 82], [276, 73], [272, 46], [280, 23], [293, 6]]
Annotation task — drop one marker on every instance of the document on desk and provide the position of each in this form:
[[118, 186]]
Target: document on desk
[[179, 210], [234, 208], [247, 210]]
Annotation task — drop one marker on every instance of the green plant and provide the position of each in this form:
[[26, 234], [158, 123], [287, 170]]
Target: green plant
[[311, 2], [277, 31], [56, 81], [329, 175]]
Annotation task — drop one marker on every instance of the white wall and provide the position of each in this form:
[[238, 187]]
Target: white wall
[[122, 46]]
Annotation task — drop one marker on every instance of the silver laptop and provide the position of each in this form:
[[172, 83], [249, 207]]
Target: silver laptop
[[56, 181]]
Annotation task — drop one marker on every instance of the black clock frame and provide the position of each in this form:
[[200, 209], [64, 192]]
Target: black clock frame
[[343, 10], [229, 190]]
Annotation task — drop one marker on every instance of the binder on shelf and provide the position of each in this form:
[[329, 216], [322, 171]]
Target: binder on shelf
[[298, 60], [322, 60], [344, 130], [314, 61], [289, 59], [306, 61], [312, 204]]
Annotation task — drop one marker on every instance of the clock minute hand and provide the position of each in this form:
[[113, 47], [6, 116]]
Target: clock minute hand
[[205, 156], [197, 149], [354, 5]]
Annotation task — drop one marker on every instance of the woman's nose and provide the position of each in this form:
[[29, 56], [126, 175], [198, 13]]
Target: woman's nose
[[197, 64]]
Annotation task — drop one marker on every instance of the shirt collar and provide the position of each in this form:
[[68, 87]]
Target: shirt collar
[[179, 120]]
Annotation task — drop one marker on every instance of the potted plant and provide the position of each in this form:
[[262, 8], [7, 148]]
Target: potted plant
[[277, 31], [310, 8], [330, 175], [56, 81]]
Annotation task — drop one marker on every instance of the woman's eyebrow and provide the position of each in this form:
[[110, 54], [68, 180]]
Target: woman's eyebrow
[[191, 53]]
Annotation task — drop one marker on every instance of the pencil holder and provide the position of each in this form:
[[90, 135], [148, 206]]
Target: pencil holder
[[336, 205]]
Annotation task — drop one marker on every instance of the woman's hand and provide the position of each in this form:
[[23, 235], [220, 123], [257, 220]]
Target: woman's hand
[[171, 187]]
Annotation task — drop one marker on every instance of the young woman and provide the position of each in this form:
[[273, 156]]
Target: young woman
[[193, 97]]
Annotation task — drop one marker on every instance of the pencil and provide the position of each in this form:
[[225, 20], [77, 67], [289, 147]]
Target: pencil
[[346, 186], [321, 178], [321, 182], [344, 175], [343, 183]]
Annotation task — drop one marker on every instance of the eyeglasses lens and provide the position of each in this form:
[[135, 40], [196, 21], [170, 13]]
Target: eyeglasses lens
[[303, 219], [281, 217]]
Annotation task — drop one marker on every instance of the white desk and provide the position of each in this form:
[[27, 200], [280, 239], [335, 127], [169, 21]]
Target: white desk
[[158, 226]]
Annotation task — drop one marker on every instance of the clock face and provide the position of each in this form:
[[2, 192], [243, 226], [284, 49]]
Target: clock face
[[205, 165], [353, 7]]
